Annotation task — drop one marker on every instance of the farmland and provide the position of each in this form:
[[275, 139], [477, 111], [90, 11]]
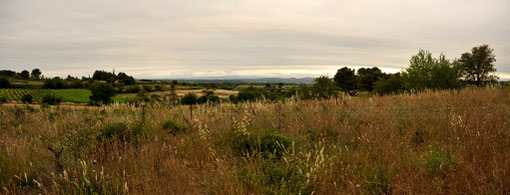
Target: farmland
[[67, 95], [434, 142]]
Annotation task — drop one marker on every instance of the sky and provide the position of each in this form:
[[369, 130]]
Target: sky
[[257, 38]]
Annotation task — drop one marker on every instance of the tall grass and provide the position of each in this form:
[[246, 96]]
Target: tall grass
[[431, 142]]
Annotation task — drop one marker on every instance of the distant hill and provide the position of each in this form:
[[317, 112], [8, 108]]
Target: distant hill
[[305, 80]]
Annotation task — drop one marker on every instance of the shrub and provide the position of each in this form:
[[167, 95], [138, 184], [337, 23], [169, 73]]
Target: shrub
[[189, 99], [51, 99], [268, 143], [438, 162], [147, 88], [119, 131], [27, 99], [3, 99], [4, 83], [102, 92], [173, 128], [377, 180], [132, 89]]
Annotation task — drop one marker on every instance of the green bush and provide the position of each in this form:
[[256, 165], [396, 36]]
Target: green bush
[[119, 131], [377, 180], [438, 162], [3, 99], [173, 128], [51, 99], [27, 99], [268, 143]]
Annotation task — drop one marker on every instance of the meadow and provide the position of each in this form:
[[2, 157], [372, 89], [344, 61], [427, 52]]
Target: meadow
[[433, 142]]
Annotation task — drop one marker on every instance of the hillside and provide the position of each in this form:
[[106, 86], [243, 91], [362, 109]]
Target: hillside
[[427, 143]]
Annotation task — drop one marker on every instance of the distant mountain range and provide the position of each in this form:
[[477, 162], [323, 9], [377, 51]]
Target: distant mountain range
[[248, 80]]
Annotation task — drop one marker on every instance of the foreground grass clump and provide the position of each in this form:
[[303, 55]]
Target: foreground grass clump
[[427, 143]]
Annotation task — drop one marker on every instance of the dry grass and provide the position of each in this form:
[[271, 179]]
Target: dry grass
[[427, 143]]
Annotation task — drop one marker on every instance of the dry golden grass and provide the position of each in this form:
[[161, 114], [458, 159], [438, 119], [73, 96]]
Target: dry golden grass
[[429, 143]]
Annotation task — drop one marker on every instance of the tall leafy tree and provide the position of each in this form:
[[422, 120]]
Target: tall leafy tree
[[324, 87], [24, 74], [345, 79], [367, 78], [477, 66], [36, 73], [101, 92], [426, 72]]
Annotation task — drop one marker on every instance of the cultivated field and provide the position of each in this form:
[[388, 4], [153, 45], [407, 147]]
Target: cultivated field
[[428, 143], [67, 95]]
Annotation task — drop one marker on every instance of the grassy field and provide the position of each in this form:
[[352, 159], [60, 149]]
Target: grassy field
[[455, 142], [67, 95]]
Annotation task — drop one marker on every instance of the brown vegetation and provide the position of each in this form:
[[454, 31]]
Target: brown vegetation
[[432, 142]]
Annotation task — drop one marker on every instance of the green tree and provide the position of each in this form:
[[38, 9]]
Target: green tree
[[367, 78], [345, 79], [36, 74], [392, 84], [101, 92], [4, 83], [27, 99], [477, 66], [426, 72], [324, 87], [25, 74], [189, 99], [51, 99]]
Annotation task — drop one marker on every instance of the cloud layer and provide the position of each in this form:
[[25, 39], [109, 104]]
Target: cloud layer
[[289, 38]]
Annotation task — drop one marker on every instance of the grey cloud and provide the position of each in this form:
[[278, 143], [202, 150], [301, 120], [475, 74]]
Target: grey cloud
[[186, 38]]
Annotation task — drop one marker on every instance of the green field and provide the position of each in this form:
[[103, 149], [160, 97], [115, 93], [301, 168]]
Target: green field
[[67, 95]]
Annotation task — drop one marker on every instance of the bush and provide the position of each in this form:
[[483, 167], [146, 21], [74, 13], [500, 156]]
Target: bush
[[173, 128], [119, 131], [51, 99], [102, 92], [189, 99], [268, 143], [3, 99], [132, 89], [438, 162], [4, 83], [147, 88], [27, 99]]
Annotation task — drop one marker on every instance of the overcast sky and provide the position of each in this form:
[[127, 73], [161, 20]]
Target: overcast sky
[[266, 38]]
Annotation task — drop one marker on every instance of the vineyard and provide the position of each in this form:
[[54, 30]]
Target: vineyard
[[67, 95]]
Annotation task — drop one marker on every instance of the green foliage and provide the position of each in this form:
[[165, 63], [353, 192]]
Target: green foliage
[[268, 144], [209, 97], [189, 99], [27, 99], [345, 79], [132, 89], [367, 77], [25, 74], [101, 92], [36, 74], [55, 83], [477, 66], [3, 99], [426, 72], [4, 83], [51, 99], [324, 87], [173, 128], [438, 162], [119, 131], [376, 179], [393, 84], [147, 88]]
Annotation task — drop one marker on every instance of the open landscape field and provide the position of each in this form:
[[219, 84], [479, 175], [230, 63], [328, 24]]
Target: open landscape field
[[67, 95], [427, 143]]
